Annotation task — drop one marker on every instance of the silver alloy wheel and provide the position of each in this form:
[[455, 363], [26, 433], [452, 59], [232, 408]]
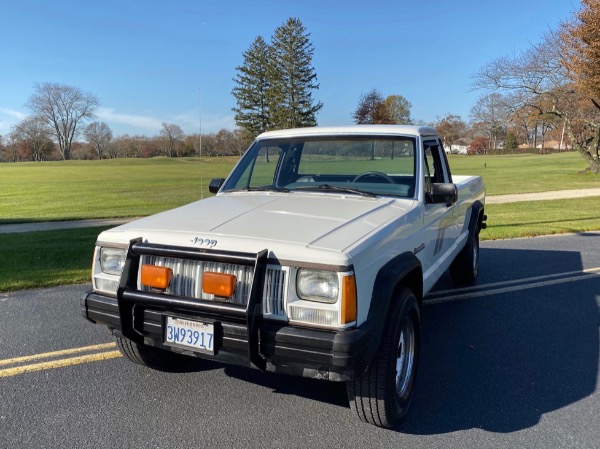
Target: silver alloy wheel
[[405, 357]]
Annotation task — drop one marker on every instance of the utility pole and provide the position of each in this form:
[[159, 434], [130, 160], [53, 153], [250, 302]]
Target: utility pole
[[200, 116]]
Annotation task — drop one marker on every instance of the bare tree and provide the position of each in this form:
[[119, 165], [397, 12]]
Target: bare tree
[[99, 136], [173, 135], [33, 136], [4, 153], [240, 141], [65, 109], [539, 79], [492, 114], [11, 149]]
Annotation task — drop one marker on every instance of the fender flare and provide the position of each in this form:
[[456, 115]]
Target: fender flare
[[476, 219], [404, 270]]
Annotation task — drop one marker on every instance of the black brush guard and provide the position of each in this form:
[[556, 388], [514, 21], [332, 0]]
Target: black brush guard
[[132, 302]]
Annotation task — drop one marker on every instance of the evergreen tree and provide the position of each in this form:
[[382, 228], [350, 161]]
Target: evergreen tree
[[252, 85], [292, 78], [510, 141]]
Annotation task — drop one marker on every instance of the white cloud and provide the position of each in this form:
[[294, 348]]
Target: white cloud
[[13, 113], [211, 123], [9, 118], [189, 121], [139, 121]]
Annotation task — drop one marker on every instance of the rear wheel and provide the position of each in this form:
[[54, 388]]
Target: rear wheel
[[382, 394], [465, 267], [150, 356]]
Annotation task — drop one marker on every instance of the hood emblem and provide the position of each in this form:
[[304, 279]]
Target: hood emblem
[[199, 241]]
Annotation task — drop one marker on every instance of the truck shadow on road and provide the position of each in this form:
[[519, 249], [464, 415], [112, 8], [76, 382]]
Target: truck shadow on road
[[500, 362], [491, 359]]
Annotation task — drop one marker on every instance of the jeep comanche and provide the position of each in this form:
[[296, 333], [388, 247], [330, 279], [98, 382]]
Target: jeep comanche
[[312, 259]]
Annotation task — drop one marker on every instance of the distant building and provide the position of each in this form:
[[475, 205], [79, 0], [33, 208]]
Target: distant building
[[555, 145], [549, 144], [456, 149]]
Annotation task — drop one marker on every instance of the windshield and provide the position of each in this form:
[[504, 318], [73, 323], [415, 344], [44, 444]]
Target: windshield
[[348, 164]]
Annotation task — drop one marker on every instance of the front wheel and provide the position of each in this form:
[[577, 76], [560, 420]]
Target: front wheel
[[150, 356], [381, 395]]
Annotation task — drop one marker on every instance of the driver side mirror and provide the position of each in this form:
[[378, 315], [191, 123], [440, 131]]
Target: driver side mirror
[[215, 184], [442, 193]]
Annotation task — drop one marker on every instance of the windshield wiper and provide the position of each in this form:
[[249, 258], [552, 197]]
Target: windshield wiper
[[262, 189], [331, 188]]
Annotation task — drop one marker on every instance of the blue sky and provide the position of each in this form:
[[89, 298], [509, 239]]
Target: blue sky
[[173, 61]]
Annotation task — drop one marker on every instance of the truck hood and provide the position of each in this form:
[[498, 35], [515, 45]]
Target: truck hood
[[323, 221]]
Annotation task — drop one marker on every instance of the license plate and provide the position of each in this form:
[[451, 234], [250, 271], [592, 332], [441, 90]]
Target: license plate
[[191, 334]]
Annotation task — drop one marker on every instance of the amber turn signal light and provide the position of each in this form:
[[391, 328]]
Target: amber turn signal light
[[348, 300], [156, 277], [218, 284]]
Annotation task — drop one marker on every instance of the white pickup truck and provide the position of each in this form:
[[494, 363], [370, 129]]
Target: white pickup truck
[[312, 259]]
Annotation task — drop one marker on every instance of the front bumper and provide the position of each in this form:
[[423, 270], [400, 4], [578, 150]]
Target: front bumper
[[314, 353]]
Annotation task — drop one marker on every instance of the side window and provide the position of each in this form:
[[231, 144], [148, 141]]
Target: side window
[[429, 170], [436, 164]]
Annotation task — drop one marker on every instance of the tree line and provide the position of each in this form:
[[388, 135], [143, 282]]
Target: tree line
[[100, 144], [549, 92]]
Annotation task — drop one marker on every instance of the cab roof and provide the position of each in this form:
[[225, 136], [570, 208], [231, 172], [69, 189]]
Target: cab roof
[[363, 130]]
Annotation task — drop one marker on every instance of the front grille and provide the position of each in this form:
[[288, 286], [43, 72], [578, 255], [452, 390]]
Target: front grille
[[187, 281], [275, 292], [187, 277]]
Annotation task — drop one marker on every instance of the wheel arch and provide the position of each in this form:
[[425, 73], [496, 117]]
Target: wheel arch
[[477, 217], [403, 271]]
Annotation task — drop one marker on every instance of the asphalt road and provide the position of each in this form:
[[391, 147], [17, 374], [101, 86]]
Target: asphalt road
[[511, 363]]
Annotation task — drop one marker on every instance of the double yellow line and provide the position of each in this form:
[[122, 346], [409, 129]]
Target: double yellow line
[[57, 359]]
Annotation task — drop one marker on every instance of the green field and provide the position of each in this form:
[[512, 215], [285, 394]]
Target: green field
[[75, 190], [48, 191], [47, 258], [526, 173], [528, 219]]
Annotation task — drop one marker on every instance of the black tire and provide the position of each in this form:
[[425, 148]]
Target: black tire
[[155, 358], [465, 267], [382, 394]]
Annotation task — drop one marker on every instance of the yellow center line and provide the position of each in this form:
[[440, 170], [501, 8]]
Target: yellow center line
[[47, 355], [60, 363]]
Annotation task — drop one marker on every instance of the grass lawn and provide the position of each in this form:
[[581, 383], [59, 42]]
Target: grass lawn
[[73, 190], [46, 258], [526, 173], [527, 219]]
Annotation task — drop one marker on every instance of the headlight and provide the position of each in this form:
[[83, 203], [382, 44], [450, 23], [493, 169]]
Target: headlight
[[317, 285], [112, 260]]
